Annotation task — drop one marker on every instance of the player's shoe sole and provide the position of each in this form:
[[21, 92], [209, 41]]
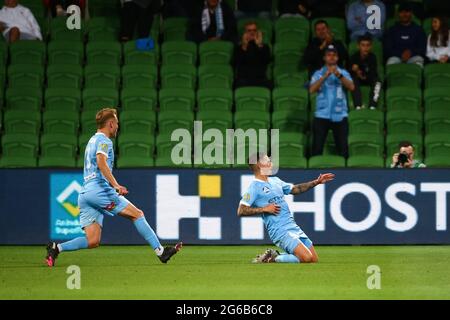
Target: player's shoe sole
[[52, 254], [267, 257], [169, 252]]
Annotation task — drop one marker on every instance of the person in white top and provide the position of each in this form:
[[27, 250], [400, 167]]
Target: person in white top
[[18, 23], [438, 47]]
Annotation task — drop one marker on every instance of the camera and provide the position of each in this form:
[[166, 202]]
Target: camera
[[402, 158]]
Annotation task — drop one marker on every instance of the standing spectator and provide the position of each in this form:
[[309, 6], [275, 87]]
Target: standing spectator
[[137, 13], [58, 8], [294, 8], [316, 48], [438, 46], [330, 83], [215, 21], [359, 19], [364, 71], [18, 23], [253, 9], [252, 58], [406, 41]]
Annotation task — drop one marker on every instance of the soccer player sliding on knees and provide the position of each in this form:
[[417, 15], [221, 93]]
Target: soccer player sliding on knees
[[102, 194], [265, 196]]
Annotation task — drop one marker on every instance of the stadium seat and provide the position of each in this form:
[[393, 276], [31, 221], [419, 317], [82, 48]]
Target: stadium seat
[[3, 52], [291, 150], [326, 161], [27, 52], [36, 7], [289, 120], [64, 76], [96, 99], [176, 100], [288, 55], [437, 75], [65, 52], [88, 124], [164, 148], [135, 150], [26, 76], [133, 99], [404, 75], [392, 141], [103, 29], [215, 52], [365, 94], [139, 76], [139, 122], [290, 99], [401, 98], [63, 99], [249, 119], [170, 120], [175, 28], [178, 76], [215, 119], [366, 121], [292, 30], [215, 76], [437, 99], [437, 150], [102, 76], [17, 99], [264, 25], [337, 25], [61, 121], [404, 121], [363, 161], [104, 52], [215, 99], [437, 121], [83, 140], [134, 56], [366, 144], [60, 32], [179, 53], [19, 150], [58, 150], [285, 77], [18, 121], [252, 98]]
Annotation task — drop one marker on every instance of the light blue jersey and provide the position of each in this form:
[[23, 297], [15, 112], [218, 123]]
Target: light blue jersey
[[282, 228]]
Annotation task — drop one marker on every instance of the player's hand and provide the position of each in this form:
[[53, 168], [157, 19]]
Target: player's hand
[[272, 208], [121, 190], [324, 178]]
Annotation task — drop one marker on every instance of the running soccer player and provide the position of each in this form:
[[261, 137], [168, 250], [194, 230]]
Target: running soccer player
[[102, 194], [265, 196]]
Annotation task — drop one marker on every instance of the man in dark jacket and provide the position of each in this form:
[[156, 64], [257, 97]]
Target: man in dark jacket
[[406, 42], [315, 51], [140, 13]]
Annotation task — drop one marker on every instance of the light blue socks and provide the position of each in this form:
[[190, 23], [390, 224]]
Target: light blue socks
[[148, 234], [287, 258], [74, 244]]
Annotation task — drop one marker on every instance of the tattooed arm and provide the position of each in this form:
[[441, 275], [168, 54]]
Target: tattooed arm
[[303, 187], [246, 211]]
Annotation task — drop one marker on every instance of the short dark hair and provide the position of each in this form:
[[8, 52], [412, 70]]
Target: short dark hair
[[405, 144], [319, 22], [365, 37]]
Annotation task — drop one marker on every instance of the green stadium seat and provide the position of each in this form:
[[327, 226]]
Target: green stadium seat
[[404, 121], [96, 99], [291, 150], [64, 76], [58, 150], [326, 161], [104, 8], [26, 76], [170, 120], [61, 122], [285, 77], [289, 120], [252, 98], [178, 76], [215, 99], [104, 52], [179, 52], [83, 140], [216, 52], [103, 29], [18, 121], [88, 124], [366, 144], [249, 119], [36, 7], [392, 141], [337, 25], [292, 30], [215, 76], [19, 150], [175, 28], [176, 100], [60, 32], [404, 75], [401, 98], [365, 94], [16, 99], [65, 52], [140, 122], [215, 119], [243, 150], [3, 52], [264, 25], [134, 56], [102, 76], [214, 156], [135, 150], [288, 55], [366, 121], [436, 99], [63, 99], [437, 150], [437, 121], [138, 99], [27, 52], [139, 76], [295, 99], [437, 75], [363, 161], [164, 147]]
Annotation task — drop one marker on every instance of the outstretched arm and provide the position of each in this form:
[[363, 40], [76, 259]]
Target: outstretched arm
[[246, 211], [303, 187]]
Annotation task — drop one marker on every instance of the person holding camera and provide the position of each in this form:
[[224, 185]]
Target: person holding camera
[[405, 157]]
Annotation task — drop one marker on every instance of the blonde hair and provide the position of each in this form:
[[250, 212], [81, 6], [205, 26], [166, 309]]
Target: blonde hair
[[104, 115]]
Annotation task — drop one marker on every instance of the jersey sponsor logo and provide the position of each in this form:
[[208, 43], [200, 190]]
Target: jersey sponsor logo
[[266, 190]]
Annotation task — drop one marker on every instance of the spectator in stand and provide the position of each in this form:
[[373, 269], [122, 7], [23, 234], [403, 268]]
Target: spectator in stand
[[58, 8], [360, 21], [405, 42], [252, 58], [438, 46], [404, 158], [415, 5], [294, 8], [330, 83], [253, 9], [316, 48], [138, 13], [18, 23], [328, 8], [364, 71], [215, 21]]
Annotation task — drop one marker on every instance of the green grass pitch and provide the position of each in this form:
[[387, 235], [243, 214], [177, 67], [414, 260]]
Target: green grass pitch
[[225, 272]]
